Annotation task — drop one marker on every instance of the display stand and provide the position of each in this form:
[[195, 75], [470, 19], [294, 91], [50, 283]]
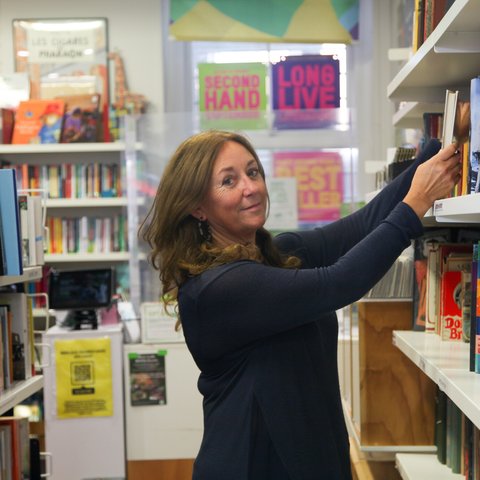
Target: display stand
[[84, 447]]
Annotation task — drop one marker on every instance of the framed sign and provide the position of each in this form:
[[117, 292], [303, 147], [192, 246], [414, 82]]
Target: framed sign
[[63, 57]]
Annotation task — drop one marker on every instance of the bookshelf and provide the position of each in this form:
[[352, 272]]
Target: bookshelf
[[448, 58], [124, 154], [427, 74], [21, 390]]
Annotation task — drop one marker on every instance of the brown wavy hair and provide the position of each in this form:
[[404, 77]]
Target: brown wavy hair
[[179, 251]]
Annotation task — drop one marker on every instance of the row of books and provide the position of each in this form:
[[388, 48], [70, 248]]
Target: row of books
[[69, 119], [70, 180], [87, 234], [446, 298], [457, 439], [426, 16], [397, 282], [22, 220]]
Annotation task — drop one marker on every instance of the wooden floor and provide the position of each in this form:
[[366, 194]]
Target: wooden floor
[[160, 469], [362, 469]]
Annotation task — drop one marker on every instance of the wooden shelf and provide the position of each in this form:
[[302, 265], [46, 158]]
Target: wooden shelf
[[447, 364], [428, 73], [29, 274], [19, 392], [415, 466]]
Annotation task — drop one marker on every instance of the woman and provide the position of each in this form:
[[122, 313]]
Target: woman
[[258, 313]]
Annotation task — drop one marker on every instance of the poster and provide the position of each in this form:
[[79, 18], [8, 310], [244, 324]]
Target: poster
[[84, 378], [147, 378], [232, 95], [319, 183], [64, 57], [306, 91]]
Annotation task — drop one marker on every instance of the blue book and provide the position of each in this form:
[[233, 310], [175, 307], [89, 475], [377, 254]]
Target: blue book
[[10, 221], [474, 177]]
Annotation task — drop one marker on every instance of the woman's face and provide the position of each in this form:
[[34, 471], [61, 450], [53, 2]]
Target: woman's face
[[235, 205]]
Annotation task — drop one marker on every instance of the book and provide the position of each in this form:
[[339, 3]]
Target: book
[[81, 119], [20, 446], [38, 121], [449, 114], [473, 308], [450, 311], [474, 178], [39, 228], [434, 10], [10, 222], [7, 122], [6, 469], [22, 327], [27, 230], [454, 262]]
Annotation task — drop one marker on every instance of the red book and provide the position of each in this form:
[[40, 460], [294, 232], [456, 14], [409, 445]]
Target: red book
[[450, 306]]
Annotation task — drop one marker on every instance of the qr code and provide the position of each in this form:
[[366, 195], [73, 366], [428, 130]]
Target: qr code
[[82, 373]]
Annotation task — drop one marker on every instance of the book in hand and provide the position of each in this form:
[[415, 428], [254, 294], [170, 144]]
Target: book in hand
[[10, 223], [38, 121], [456, 119], [82, 118]]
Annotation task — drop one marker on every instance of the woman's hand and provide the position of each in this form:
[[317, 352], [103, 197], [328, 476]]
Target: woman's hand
[[434, 179]]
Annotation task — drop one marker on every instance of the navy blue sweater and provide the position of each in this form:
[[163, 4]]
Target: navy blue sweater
[[265, 340]]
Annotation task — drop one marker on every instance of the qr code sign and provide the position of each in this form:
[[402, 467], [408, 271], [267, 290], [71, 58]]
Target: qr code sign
[[82, 373]]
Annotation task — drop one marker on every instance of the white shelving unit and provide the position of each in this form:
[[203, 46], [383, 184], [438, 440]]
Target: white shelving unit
[[23, 389], [410, 114], [93, 147], [429, 72], [448, 59], [446, 363], [412, 466], [123, 153]]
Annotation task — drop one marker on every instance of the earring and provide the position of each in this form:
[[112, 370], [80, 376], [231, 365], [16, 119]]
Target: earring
[[204, 230]]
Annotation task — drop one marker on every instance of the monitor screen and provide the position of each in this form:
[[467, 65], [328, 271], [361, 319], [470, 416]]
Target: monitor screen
[[80, 289]]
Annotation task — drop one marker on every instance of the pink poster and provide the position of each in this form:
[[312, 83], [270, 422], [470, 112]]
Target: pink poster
[[319, 183]]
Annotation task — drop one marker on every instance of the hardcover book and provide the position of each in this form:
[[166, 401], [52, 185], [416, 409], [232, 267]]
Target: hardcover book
[[81, 119], [10, 222]]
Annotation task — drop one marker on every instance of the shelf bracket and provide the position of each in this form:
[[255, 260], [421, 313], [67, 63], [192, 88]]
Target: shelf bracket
[[458, 42]]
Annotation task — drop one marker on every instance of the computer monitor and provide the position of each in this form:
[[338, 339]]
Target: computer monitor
[[82, 292]]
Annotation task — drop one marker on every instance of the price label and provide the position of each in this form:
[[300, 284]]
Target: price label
[[442, 384], [421, 364]]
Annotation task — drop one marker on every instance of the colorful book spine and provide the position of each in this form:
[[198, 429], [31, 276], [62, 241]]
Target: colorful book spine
[[474, 178], [477, 316]]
